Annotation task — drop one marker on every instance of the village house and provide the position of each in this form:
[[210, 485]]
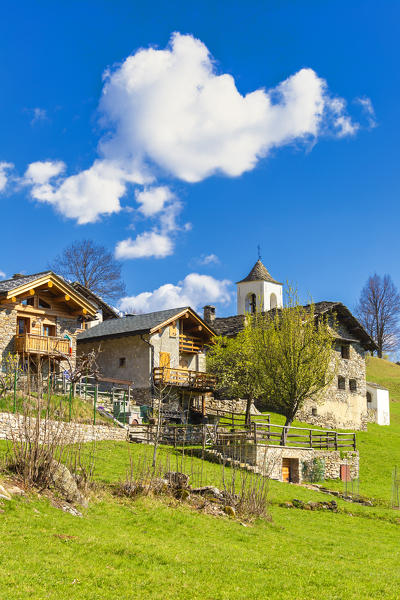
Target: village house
[[344, 403], [159, 352], [40, 316]]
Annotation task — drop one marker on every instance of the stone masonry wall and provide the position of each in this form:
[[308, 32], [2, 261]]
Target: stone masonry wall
[[344, 409], [8, 328], [269, 459], [12, 425]]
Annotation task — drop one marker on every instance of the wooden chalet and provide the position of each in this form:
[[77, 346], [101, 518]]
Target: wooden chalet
[[40, 315]]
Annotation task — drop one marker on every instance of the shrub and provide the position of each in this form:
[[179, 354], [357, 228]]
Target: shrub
[[314, 470]]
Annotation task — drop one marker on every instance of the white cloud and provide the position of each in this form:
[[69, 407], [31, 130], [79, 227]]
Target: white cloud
[[170, 112], [85, 196], [159, 242], [195, 290], [208, 259], [40, 172], [145, 245], [368, 110], [153, 200], [4, 168], [2, 275], [39, 114], [172, 108]]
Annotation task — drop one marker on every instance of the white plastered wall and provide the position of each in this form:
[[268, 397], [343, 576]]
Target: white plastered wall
[[263, 291], [379, 403]]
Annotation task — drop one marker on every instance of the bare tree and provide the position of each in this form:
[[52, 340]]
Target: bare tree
[[378, 310], [85, 365], [93, 266]]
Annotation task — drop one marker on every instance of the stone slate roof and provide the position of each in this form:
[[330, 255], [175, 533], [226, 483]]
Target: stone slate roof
[[132, 325], [377, 386], [10, 284], [231, 326], [108, 311], [259, 273]]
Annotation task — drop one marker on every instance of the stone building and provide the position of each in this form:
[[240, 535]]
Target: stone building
[[40, 315], [344, 402], [163, 350]]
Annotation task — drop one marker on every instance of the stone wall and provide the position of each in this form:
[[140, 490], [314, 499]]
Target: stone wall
[[343, 409], [8, 328], [269, 459], [228, 404], [136, 365], [12, 426]]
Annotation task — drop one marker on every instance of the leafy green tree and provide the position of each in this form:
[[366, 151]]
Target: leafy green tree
[[293, 353], [232, 361]]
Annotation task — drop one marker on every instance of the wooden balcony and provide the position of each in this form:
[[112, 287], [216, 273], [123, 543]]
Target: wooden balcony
[[30, 343], [190, 344], [195, 380]]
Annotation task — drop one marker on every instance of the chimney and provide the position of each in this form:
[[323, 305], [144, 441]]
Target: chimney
[[17, 276], [209, 314]]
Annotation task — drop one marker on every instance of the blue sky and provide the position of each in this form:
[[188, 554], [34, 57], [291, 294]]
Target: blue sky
[[321, 198]]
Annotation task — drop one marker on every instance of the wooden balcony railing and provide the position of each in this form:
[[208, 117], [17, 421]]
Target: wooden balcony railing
[[190, 344], [183, 378], [41, 344]]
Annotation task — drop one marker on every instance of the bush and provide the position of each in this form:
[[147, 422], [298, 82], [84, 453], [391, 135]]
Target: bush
[[314, 470]]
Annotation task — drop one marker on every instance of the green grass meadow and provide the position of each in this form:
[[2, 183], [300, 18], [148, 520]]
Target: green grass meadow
[[162, 549]]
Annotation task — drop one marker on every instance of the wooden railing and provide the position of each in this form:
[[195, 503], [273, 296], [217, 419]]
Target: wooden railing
[[41, 344], [183, 378], [296, 437], [190, 344], [231, 418]]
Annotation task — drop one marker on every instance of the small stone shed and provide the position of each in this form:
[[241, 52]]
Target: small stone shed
[[378, 402], [290, 464]]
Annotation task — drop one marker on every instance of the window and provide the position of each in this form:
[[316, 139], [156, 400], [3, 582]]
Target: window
[[273, 301], [369, 397], [49, 330], [314, 412], [341, 383], [173, 329], [122, 362], [43, 304], [345, 351], [353, 385], [23, 326], [28, 301], [251, 303]]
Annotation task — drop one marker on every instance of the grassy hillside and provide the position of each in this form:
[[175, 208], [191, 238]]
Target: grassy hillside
[[385, 373], [162, 549], [154, 549]]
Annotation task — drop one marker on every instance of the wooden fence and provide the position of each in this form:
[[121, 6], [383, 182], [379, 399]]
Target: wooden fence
[[295, 437]]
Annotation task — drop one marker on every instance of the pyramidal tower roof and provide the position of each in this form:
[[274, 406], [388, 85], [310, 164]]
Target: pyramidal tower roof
[[259, 273]]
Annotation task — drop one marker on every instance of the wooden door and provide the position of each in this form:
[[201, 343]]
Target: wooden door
[[286, 469], [165, 362]]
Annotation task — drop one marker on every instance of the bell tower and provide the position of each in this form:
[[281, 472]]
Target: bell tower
[[258, 291]]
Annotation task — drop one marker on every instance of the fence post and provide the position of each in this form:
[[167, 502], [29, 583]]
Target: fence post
[[336, 440], [70, 401], [354, 441], [15, 390], [310, 438], [255, 432], [95, 404]]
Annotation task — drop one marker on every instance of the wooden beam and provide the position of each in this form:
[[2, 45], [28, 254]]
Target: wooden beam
[[50, 284], [31, 292], [67, 298]]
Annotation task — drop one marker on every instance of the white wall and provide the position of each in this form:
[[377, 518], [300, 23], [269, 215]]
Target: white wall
[[380, 403], [262, 291]]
